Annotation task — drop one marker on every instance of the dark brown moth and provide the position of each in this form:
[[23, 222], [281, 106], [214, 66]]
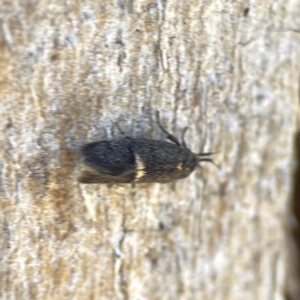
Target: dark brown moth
[[128, 160]]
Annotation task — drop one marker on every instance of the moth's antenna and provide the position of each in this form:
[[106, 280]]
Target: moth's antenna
[[207, 159], [207, 153]]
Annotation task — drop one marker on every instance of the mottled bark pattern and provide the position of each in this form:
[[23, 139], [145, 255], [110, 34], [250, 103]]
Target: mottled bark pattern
[[70, 70]]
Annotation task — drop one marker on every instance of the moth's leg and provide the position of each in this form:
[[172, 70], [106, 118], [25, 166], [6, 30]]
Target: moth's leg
[[121, 131], [182, 137], [169, 136]]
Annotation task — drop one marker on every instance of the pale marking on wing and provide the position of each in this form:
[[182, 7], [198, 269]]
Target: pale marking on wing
[[139, 168], [179, 167]]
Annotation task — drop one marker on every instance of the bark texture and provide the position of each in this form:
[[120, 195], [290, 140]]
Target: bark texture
[[69, 70]]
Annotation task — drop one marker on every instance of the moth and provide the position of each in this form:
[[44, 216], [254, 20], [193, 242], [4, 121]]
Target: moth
[[129, 160]]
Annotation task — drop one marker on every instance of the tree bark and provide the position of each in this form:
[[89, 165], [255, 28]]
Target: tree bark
[[71, 70]]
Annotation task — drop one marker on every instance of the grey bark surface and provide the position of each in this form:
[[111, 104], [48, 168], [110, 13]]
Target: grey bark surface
[[69, 70]]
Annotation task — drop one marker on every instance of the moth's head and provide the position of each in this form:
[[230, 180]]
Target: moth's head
[[194, 159], [191, 161], [187, 164]]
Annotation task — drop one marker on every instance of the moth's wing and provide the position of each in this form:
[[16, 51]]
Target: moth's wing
[[90, 176], [107, 173], [111, 169]]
